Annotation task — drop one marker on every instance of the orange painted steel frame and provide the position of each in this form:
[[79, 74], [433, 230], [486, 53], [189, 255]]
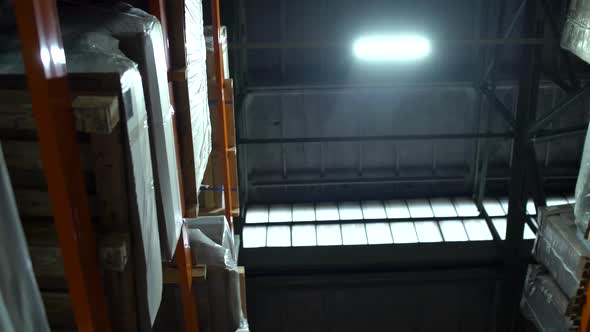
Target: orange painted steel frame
[[585, 323], [45, 65], [222, 116], [183, 250]]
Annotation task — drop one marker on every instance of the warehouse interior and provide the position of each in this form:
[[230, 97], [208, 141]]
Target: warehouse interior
[[311, 165]]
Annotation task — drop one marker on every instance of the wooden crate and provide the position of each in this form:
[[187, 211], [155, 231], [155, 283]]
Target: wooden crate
[[97, 104]]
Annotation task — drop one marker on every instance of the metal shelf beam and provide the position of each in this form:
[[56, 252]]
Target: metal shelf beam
[[221, 114]]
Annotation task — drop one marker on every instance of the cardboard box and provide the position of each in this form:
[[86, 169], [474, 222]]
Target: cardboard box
[[142, 41]]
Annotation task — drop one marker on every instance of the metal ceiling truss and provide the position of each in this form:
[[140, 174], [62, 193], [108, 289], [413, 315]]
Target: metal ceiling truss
[[525, 176], [484, 139]]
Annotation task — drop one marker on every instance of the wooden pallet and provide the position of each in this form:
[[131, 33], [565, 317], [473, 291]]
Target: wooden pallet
[[97, 109]]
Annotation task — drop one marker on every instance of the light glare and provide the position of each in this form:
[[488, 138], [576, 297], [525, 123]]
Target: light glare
[[391, 48]]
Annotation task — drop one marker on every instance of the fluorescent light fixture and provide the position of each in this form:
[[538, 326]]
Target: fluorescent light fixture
[[373, 210], [354, 234], [254, 237], [257, 214], [303, 235], [278, 236], [453, 230], [397, 209], [428, 231], [379, 233], [420, 208], [329, 235], [350, 211], [403, 232], [392, 48]]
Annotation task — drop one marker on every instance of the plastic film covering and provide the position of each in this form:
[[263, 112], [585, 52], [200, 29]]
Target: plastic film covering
[[93, 53], [582, 206], [212, 244], [543, 303], [197, 86], [141, 39], [576, 31], [561, 249], [224, 50], [21, 307]]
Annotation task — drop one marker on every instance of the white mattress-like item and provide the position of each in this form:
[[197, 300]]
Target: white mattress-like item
[[196, 72], [139, 37]]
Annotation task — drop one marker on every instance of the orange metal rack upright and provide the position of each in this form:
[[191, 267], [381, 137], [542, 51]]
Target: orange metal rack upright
[[183, 256], [585, 319], [183, 251], [45, 66], [221, 114]]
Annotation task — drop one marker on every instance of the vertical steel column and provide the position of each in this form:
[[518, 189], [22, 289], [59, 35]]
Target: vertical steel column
[[183, 251], [45, 64], [222, 116], [527, 100], [488, 108], [475, 177]]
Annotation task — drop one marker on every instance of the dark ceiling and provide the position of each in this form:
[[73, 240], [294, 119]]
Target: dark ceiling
[[319, 36], [299, 82]]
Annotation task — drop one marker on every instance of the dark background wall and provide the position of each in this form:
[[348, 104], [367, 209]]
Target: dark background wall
[[436, 300]]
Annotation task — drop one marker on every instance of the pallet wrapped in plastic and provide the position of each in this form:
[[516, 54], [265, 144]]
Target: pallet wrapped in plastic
[[212, 244], [140, 38], [97, 53], [21, 308], [575, 35], [197, 120], [218, 297], [565, 254], [543, 303]]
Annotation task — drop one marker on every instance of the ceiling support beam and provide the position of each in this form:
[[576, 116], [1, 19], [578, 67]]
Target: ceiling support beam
[[549, 14], [548, 135], [527, 103], [558, 110], [355, 139]]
